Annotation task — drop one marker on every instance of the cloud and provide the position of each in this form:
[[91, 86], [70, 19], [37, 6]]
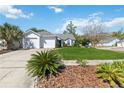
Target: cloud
[[96, 14], [26, 16], [10, 11], [56, 9], [80, 23], [115, 22]]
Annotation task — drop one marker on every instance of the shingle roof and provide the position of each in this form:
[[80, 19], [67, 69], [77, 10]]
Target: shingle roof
[[66, 36], [107, 40], [44, 33], [49, 36], [38, 33]]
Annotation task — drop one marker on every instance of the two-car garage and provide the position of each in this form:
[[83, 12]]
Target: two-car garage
[[34, 40], [31, 43], [49, 44]]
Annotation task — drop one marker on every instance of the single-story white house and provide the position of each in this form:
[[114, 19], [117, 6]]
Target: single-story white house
[[108, 42], [45, 39], [120, 43]]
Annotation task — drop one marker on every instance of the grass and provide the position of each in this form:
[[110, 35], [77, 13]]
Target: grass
[[89, 54]]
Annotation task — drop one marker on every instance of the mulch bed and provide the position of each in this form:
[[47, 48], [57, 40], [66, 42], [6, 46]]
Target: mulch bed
[[4, 51], [74, 77]]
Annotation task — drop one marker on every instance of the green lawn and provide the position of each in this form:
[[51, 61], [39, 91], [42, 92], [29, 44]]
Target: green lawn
[[89, 53]]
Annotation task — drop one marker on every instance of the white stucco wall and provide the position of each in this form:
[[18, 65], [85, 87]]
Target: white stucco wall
[[120, 44], [31, 41]]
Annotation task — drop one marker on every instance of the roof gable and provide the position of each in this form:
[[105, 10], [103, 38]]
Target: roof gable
[[108, 40], [29, 32]]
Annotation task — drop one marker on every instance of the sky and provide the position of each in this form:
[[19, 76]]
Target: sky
[[55, 18]]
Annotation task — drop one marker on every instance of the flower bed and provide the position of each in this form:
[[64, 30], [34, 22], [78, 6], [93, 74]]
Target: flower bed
[[74, 77]]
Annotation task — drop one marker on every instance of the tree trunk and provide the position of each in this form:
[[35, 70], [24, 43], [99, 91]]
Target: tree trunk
[[93, 45], [9, 45]]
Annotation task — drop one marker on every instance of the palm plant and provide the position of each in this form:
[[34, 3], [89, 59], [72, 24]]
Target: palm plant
[[44, 63], [119, 64], [10, 34], [111, 73], [120, 77]]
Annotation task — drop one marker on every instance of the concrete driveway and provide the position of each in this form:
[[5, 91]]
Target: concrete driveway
[[119, 49], [12, 69]]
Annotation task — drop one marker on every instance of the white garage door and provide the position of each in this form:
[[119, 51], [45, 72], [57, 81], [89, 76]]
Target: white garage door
[[49, 44], [32, 43]]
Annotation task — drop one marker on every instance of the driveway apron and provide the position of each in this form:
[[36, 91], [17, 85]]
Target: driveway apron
[[13, 73]]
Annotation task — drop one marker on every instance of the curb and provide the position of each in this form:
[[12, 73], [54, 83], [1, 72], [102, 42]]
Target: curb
[[90, 62]]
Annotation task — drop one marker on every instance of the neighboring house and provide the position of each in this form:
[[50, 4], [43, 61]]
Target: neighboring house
[[66, 39], [120, 43], [108, 41], [45, 39], [2, 44], [16, 44]]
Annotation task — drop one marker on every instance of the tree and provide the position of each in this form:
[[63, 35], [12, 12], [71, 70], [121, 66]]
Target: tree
[[94, 33], [70, 29], [119, 34], [81, 41], [10, 33], [37, 30]]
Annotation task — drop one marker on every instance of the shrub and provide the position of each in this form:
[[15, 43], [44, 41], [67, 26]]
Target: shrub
[[82, 63], [119, 64], [44, 63], [112, 73]]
